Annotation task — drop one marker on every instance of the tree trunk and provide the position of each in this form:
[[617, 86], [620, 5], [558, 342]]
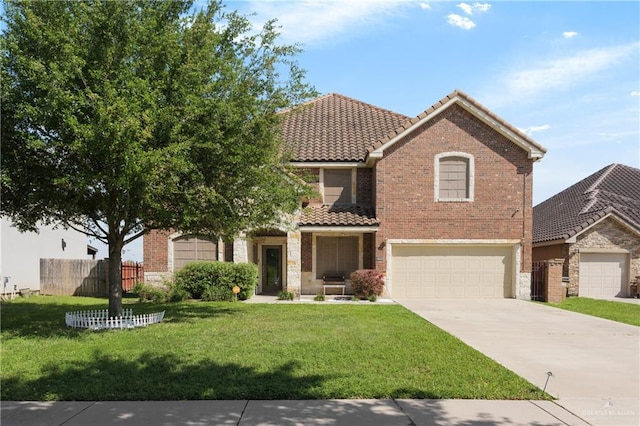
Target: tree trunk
[[115, 277]]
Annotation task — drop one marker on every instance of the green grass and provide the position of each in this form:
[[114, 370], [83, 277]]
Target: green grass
[[207, 350], [627, 313]]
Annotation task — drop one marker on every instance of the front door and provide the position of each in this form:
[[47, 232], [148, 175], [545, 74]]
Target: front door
[[271, 269]]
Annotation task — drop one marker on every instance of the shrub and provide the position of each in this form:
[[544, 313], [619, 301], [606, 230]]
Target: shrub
[[319, 298], [218, 294], [367, 282], [149, 293], [285, 295], [373, 298], [177, 294], [217, 279]]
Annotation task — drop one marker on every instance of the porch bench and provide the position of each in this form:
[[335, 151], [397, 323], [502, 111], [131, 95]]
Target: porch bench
[[333, 281]]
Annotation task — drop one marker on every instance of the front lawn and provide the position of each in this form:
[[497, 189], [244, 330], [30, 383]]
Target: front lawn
[[627, 313], [243, 351]]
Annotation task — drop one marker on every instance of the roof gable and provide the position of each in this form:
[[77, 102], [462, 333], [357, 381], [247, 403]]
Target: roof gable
[[457, 97], [612, 191]]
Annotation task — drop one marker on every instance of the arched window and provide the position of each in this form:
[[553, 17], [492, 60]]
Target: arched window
[[454, 176]]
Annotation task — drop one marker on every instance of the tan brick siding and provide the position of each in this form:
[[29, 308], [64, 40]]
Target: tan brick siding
[[608, 234]]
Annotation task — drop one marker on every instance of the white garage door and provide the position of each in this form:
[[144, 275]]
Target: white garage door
[[602, 275], [451, 271]]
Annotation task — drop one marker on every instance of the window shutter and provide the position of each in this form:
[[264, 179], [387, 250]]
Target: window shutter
[[454, 178], [337, 186]]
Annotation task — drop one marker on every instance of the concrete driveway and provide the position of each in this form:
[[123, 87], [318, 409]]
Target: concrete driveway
[[594, 363]]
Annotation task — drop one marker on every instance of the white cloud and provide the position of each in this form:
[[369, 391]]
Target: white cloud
[[531, 130], [561, 73], [460, 21], [308, 21], [477, 7], [482, 7], [425, 5], [569, 34], [466, 8], [635, 93]]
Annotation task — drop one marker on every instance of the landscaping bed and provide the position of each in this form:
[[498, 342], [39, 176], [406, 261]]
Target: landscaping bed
[[216, 350]]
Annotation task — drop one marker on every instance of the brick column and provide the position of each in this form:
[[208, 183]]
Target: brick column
[[555, 291]]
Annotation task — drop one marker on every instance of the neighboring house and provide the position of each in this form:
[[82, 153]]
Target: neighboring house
[[20, 253], [441, 203], [595, 226]]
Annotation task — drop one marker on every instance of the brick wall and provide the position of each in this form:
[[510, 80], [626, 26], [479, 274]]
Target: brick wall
[[155, 251], [550, 252], [369, 252], [404, 179], [364, 192], [306, 252]]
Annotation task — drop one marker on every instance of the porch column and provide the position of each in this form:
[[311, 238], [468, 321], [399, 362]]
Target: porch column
[[240, 250], [294, 270]]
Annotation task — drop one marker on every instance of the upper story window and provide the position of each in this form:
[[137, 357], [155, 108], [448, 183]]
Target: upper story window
[[454, 176], [338, 186]]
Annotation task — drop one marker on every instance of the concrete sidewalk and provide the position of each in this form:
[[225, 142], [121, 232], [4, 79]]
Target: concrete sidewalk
[[387, 412], [590, 364]]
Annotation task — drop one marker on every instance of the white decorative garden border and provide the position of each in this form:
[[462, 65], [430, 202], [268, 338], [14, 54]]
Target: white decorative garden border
[[99, 319]]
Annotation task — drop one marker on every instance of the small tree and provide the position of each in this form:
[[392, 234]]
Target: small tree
[[119, 117]]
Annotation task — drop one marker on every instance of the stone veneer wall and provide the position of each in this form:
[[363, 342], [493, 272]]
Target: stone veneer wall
[[608, 234]]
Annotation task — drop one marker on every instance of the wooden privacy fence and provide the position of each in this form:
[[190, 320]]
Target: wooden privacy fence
[[132, 272], [84, 277]]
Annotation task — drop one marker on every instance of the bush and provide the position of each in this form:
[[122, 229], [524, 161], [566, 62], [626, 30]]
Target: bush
[[285, 295], [215, 280], [149, 293], [367, 282], [319, 298], [177, 294], [218, 294]]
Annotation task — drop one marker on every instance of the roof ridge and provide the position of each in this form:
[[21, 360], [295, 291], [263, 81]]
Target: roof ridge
[[306, 103], [358, 101], [592, 199], [603, 176]]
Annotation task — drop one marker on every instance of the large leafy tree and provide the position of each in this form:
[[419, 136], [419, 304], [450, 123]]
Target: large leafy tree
[[123, 116]]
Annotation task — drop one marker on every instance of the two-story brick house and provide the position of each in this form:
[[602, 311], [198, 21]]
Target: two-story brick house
[[441, 203]]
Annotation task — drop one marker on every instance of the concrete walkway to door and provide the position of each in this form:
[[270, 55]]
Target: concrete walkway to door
[[594, 363]]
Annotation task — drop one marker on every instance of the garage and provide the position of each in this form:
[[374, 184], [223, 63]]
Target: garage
[[451, 271], [603, 275]]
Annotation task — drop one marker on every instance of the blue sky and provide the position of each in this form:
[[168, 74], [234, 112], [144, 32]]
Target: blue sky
[[566, 73]]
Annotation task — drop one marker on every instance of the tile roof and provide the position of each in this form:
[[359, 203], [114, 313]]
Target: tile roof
[[615, 189], [335, 128], [338, 128], [336, 215]]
